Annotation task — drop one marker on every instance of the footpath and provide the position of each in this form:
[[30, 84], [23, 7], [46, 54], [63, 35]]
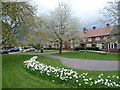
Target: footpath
[[83, 64]]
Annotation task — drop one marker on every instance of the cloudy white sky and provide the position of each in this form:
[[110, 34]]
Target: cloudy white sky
[[86, 10]]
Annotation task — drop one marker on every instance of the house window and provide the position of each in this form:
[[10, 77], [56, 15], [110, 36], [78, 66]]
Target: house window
[[89, 39], [71, 41], [104, 46], [76, 45], [105, 38], [71, 46], [88, 45], [100, 46], [115, 46], [113, 38], [97, 38], [93, 45], [118, 46]]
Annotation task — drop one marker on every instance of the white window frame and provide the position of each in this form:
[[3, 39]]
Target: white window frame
[[89, 39], [99, 45], [89, 45], [71, 46], [97, 38], [104, 37], [76, 45]]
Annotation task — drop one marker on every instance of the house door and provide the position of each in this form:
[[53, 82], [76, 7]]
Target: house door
[[93, 45]]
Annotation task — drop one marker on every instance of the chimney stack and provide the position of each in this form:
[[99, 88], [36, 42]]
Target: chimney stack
[[85, 30], [94, 27], [107, 24]]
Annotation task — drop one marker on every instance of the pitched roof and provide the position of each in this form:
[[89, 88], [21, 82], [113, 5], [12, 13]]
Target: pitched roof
[[99, 32]]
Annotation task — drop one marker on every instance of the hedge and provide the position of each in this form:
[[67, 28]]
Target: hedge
[[48, 48], [87, 48], [59, 47], [51, 48]]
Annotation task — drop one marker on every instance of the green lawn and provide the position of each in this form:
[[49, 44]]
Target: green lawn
[[32, 52], [44, 51], [1, 72], [15, 76], [50, 51], [89, 55]]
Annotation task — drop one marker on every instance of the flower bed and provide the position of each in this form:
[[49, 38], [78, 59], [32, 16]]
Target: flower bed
[[70, 76]]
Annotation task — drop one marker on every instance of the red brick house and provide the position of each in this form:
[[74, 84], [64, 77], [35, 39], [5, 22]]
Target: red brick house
[[101, 38]]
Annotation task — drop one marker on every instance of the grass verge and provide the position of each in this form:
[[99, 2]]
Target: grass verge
[[15, 76], [90, 55], [45, 51]]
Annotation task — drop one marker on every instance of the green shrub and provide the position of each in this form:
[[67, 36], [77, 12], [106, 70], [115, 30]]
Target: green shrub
[[93, 48], [87, 48], [56, 48], [63, 47], [27, 47], [48, 48], [79, 48]]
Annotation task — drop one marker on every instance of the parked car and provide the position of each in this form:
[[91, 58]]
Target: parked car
[[26, 50], [13, 50], [29, 49], [4, 52], [32, 49]]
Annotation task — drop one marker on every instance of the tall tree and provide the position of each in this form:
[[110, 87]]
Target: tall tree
[[62, 23], [37, 39], [111, 15], [115, 34], [38, 36], [111, 12], [17, 20]]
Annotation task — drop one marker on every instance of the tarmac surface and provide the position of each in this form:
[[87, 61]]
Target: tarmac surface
[[83, 64]]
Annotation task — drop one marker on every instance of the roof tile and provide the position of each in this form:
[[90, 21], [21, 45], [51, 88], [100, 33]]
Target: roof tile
[[99, 32]]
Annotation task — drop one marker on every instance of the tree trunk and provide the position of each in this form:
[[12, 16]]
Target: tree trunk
[[38, 46], [85, 52], [73, 45], [60, 50], [108, 47], [85, 48]]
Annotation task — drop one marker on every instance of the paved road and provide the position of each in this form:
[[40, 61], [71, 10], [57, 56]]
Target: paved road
[[83, 64]]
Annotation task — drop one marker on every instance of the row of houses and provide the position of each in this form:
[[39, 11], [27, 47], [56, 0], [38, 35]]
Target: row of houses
[[102, 38], [97, 37]]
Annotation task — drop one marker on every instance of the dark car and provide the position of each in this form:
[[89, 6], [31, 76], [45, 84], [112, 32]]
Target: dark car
[[4, 52], [13, 50]]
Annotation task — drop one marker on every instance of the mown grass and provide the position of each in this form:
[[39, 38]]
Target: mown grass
[[15, 76], [0, 71], [51, 51], [44, 51], [90, 55]]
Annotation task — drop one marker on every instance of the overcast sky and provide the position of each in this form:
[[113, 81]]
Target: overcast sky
[[86, 10]]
